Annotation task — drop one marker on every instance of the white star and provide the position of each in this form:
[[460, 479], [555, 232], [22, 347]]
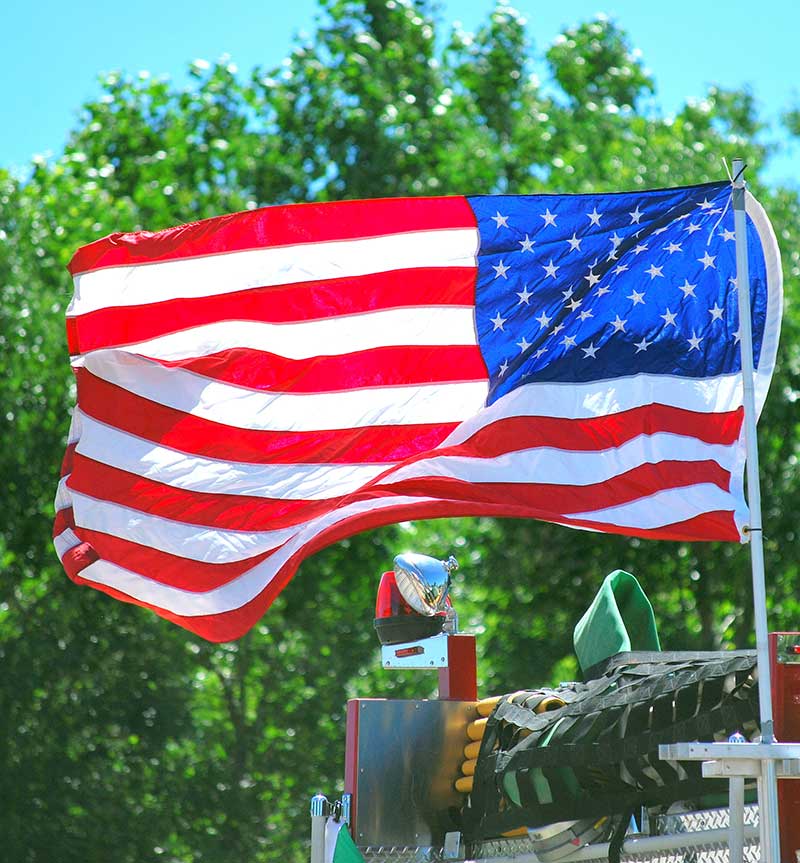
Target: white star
[[727, 235], [574, 242], [540, 352], [500, 270], [573, 304], [550, 269], [591, 351], [688, 290], [603, 290], [707, 261], [498, 321], [594, 217], [503, 368], [567, 294], [669, 318], [620, 269], [500, 221], [694, 342], [636, 215], [592, 279], [705, 204], [637, 298], [527, 245], [523, 345], [732, 281], [544, 321], [691, 228], [716, 313], [549, 218], [524, 295], [642, 247], [557, 329], [737, 336], [619, 325], [586, 313], [616, 241], [673, 247], [658, 231], [654, 271], [568, 341], [643, 345]]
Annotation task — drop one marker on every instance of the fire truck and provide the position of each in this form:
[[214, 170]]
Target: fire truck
[[654, 755]]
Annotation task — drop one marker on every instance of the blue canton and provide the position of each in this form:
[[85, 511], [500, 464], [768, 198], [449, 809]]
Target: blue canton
[[576, 288]]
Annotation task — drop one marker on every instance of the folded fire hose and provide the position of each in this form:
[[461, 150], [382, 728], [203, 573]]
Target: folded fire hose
[[584, 751]]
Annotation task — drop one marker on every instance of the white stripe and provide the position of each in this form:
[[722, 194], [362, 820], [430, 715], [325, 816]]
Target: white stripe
[[194, 542], [604, 398], [772, 324], [769, 344], [144, 458], [63, 499], [670, 506], [74, 433], [553, 466], [241, 590], [243, 408], [324, 337], [237, 271], [65, 541]]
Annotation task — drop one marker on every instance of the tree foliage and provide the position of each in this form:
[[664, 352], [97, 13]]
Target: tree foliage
[[125, 738]]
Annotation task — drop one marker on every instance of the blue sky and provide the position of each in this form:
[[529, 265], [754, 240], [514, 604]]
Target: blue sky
[[54, 51]]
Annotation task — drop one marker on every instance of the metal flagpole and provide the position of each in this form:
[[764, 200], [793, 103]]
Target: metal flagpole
[[767, 784]]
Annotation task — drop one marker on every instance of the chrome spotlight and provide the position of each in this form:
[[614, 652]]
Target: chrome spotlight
[[424, 582]]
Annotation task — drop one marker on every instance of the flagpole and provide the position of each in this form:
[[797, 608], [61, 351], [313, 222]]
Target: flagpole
[[768, 787]]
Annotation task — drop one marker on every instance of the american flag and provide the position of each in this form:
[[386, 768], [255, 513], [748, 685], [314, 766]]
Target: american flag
[[254, 387]]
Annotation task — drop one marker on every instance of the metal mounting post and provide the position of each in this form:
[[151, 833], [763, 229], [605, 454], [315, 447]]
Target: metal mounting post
[[320, 809], [768, 786]]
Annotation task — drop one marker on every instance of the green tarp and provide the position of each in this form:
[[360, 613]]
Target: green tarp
[[619, 619]]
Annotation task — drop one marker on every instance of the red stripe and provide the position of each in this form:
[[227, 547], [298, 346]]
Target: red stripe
[[276, 226], [223, 511], [233, 624], [110, 404], [64, 519], [158, 565], [66, 462], [248, 513], [378, 367], [597, 433], [563, 499], [77, 559], [718, 526], [453, 286]]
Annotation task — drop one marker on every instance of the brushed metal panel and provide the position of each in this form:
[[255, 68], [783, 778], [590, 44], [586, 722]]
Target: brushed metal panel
[[409, 756]]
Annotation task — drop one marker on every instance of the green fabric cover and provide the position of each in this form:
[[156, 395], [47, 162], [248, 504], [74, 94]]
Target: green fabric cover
[[619, 619]]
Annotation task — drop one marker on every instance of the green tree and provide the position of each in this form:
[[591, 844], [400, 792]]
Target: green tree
[[123, 737]]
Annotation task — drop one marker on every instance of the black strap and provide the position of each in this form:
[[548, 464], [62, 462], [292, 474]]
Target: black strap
[[618, 837], [598, 754]]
